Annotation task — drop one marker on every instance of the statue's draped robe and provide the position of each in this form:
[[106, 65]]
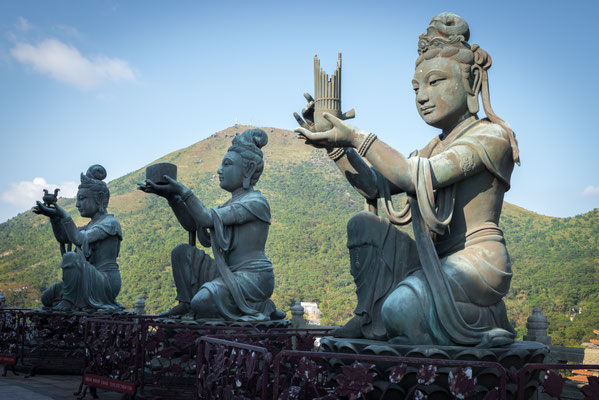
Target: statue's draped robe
[[90, 275], [238, 292], [458, 278]]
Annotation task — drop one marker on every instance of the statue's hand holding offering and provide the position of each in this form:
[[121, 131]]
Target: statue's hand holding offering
[[306, 121], [168, 190], [342, 134], [55, 212]]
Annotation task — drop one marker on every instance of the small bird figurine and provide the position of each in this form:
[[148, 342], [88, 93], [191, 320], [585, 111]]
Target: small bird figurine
[[50, 199]]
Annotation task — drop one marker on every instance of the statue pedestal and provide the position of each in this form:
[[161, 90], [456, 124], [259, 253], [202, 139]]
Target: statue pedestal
[[488, 376], [262, 326]]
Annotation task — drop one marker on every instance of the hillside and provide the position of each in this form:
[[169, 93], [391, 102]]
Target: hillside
[[555, 260]]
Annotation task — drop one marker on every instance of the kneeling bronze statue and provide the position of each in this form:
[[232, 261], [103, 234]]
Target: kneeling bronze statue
[[90, 275], [237, 283]]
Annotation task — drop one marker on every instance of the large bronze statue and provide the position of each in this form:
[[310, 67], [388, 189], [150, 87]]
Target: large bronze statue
[[90, 275], [238, 282], [446, 286]]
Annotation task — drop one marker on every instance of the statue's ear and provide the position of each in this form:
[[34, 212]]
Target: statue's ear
[[248, 172], [100, 198], [476, 73], [250, 168]]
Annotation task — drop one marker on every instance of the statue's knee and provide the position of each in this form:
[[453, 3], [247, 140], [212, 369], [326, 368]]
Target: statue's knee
[[70, 258], [52, 294], [180, 251], [400, 304], [361, 221], [201, 302]]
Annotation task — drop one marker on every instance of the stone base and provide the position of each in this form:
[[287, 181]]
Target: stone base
[[260, 325], [514, 355]]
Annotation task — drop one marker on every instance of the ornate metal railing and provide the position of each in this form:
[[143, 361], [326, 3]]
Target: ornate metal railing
[[11, 338], [144, 355], [168, 351], [53, 341], [229, 369], [112, 359]]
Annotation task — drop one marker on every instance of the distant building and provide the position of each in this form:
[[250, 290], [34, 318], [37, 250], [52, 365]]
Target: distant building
[[311, 312]]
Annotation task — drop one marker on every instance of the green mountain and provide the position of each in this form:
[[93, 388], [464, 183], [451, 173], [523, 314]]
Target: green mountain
[[555, 259]]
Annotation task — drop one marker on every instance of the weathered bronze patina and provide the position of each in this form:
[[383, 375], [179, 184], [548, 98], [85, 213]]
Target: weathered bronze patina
[[446, 286], [90, 275], [237, 284]]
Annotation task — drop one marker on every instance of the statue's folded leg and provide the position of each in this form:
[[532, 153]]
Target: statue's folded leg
[[191, 268], [52, 295], [210, 305], [409, 314], [71, 282], [380, 256]]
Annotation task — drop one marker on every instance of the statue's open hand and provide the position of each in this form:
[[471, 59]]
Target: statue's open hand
[[54, 212], [306, 121], [168, 190], [341, 135]]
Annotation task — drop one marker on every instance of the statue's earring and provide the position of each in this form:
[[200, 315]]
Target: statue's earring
[[472, 101], [246, 182], [473, 105]]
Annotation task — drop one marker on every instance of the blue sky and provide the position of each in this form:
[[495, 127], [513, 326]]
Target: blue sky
[[123, 83]]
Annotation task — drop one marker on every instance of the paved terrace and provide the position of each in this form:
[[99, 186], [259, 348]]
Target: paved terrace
[[46, 387]]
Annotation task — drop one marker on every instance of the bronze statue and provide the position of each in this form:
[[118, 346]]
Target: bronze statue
[[237, 284], [90, 275], [446, 286]]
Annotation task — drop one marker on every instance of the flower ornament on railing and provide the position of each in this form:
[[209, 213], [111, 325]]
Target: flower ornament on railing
[[553, 384], [461, 383], [591, 391], [355, 380], [427, 374], [398, 373]]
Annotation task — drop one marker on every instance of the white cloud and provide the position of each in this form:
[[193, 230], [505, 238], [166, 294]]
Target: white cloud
[[591, 191], [64, 63], [24, 194]]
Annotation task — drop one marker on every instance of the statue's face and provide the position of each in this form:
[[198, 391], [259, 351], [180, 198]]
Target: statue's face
[[87, 204], [441, 98], [230, 172]]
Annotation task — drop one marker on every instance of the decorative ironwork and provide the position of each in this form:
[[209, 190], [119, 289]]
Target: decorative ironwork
[[130, 353], [303, 375], [11, 327], [53, 340], [231, 370], [112, 356], [554, 383]]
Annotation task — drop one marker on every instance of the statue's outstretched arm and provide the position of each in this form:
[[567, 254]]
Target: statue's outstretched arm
[[56, 214], [73, 233], [172, 191], [183, 214], [361, 176], [450, 166], [198, 211]]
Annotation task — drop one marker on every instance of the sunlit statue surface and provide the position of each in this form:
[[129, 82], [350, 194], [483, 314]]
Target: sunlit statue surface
[[237, 284], [446, 286], [90, 275]]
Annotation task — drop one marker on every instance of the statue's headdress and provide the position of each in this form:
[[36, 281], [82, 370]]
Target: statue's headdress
[[252, 140], [447, 35], [93, 179]]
